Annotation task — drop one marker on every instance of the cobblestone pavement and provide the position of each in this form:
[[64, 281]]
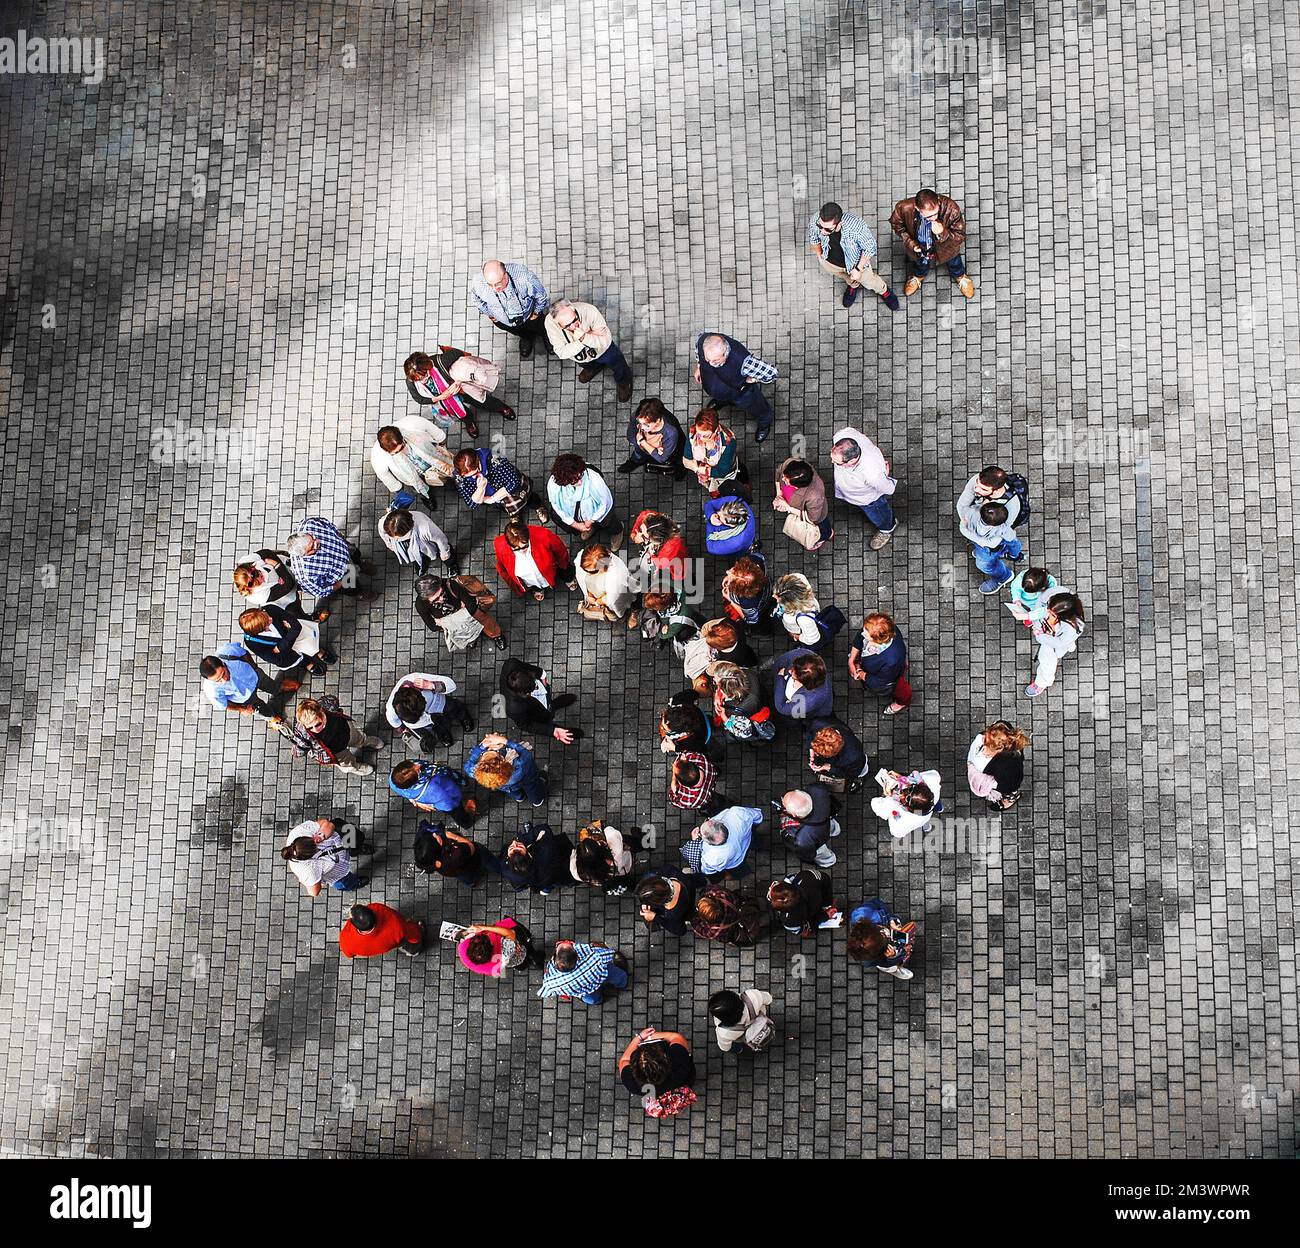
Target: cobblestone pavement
[[246, 227]]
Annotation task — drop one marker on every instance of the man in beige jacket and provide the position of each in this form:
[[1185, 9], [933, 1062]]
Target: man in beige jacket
[[577, 331]]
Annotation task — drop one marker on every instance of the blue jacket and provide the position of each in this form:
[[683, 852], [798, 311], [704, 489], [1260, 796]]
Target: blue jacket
[[730, 545], [883, 669], [436, 786], [806, 703], [875, 911]]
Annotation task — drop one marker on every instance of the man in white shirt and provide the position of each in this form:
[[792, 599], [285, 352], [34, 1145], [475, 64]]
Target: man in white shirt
[[721, 843], [422, 705], [862, 478], [578, 332]]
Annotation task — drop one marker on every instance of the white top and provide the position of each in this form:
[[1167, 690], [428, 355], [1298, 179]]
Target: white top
[[434, 703], [261, 596], [867, 480], [541, 693], [426, 539], [755, 1002], [526, 570], [622, 855], [332, 862], [803, 626], [900, 821], [613, 586]]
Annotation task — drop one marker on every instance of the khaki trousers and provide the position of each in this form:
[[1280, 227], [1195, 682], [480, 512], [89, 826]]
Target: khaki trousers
[[863, 275]]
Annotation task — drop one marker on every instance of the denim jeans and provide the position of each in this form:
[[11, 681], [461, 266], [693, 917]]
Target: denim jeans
[[881, 514], [992, 560], [532, 787], [956, 266], [751, 400], [348, 883], [617, 978], [613, 358]]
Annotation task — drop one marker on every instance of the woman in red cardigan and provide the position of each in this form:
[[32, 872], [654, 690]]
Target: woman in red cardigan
[[663, 550], [530, 559]]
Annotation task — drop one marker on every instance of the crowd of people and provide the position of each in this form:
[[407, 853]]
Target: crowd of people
[[634, 571]]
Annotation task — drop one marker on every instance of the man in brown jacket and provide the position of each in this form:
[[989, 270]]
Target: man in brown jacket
[[932, 229]]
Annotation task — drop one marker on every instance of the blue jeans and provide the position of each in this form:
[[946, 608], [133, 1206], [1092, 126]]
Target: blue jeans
[[613, 358], [532, 786], [881, 514], [348, 883], [956, 266], [617, 978], [751, 400], [992, 560]]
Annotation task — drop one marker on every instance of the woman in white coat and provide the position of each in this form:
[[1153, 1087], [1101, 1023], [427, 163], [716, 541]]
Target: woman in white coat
[[1057, 634], [409, 455], [907, 803], [606, 584]]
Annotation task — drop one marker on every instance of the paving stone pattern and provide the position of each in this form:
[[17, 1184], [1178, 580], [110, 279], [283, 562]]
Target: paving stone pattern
[[264, 207]]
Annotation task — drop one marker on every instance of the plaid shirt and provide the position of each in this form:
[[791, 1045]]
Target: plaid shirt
[[855, 237], [585, 978], [524, 295], [320, 573], [758, 370], [696, 796]]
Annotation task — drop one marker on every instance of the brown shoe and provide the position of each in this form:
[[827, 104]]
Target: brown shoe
[[966, 286], [625, 392], [913, 285], [880, 541], [586, 374]]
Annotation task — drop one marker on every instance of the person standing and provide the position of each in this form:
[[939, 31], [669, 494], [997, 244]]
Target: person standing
[[692, 782], [722, 916], [510, 767], [578, 332], [932, 230], [730, 526], [513, 298], [454, 610], [878, 938], [324, 563], [536, 859], [484, 479], [747, 593], [263, 579], [603, 858], [844, 245], [318, 857], [907, 803], [665, 559], [374, 930], [587, 972], [801, 498], [657, 1067], [283, 641], [493, 949], [733, 377], [862, 479], [989, 511], [409, 457], [804, 902], [455, 385], [325, 734], [415, 539], [666, 900], [667, 620], [801, 685], [1029, 593], [529, 703], [835, 754], [440, 851], [807, 824], [656, 438], [995, 764], [712, 453], [802, 615], [432, 786], [1057, 634], [531, 560], [878, 658], [424, 706], [581, 501], [720, 844], [232, 682], [606, 584], [741, 1023]]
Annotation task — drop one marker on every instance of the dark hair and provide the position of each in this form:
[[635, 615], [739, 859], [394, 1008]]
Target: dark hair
[[565, 956], [568, 468], [927, 198], [993, 476], [595, 861], [1034, 580], [299, 849], [798, 472], [654, 890], [830, 211], [810, 669], [515, 531], [687, 772], [1068, 607], [651, 1063], [918, 799], [363, 918], [210, 666], [399, 522], [425, 850], [519, 857], [390, 438], [994, 513], [519, 680], [409, 704], [682, 718], [651, 409], [866, 941], [726, 1006], [478, 949], [782, 895], [405, 773]]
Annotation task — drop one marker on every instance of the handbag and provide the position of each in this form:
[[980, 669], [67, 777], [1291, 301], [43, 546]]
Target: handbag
[[519, 501], [759, 1033], [801, 529], [670, 1104], [482, 594]]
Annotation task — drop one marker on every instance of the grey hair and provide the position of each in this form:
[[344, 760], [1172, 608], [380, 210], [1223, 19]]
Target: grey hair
[[798, 803], [713, 831], [849, 448], [794, 590], [300, 544]]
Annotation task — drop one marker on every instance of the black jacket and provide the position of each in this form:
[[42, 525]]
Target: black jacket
[[548, 863], [524, 709]]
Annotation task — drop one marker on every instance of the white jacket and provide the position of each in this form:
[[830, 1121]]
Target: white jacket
[[901, 822], [395, 471]]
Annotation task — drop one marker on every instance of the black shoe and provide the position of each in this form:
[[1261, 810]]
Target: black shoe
[[525, 348], [763, 434], [430, 502], [890, 300], [1020, 558], [471, 427], [850, 297], [625, 392], [466, 724], [565, 699], [453, 566], [629, 465], [500, 642]]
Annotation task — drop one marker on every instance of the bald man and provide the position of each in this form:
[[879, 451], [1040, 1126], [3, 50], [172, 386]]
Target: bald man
[[513, 298], [731, 376]]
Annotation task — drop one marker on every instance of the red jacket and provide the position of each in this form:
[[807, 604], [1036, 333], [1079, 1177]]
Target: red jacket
[[389, 932], [549, 552], [672, 557]]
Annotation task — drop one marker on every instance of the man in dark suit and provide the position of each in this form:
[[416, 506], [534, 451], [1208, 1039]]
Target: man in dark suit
[[529, 702]]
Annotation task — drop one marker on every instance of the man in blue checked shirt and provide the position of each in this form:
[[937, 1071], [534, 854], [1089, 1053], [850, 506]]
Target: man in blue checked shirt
[[583, 971], [324, 563], [844, 245], [513, 298], [731, 376]]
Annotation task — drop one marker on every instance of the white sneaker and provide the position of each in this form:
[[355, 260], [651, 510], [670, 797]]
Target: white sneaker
[[901, 972], [836, 920]]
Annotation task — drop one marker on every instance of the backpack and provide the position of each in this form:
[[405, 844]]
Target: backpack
[[1019, 486], [759, 1033]]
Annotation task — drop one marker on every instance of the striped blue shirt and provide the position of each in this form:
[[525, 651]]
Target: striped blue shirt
[[585, 978], [523, 296]]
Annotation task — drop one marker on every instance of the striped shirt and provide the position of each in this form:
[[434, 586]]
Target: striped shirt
[[591, 971], [523, 296], [320, 572], [855, 237], [758, 370], [693, 797]]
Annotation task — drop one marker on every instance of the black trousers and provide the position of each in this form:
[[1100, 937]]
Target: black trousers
[[529, 329]]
